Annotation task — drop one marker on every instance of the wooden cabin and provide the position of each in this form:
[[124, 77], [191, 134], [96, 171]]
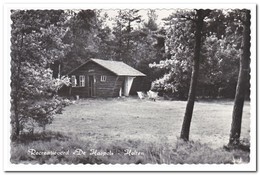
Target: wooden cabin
[[102, 78]]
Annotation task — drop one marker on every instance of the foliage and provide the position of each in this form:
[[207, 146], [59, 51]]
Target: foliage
[[219, 55], [81, 37], [36, 44], [179, 47], [138, 43], [124, 35], [38, 104], [219, 68], [86, 34]]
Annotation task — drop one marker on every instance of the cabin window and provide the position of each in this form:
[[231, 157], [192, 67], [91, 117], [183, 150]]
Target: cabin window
[[73, 81], [78, 81], [82, 81], [103, 78]]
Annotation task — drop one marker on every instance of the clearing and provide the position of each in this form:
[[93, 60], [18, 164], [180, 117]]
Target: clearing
[[112, 128], [107, 120]]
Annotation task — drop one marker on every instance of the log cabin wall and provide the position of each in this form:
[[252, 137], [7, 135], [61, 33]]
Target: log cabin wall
[[108, 88], [118, 84]]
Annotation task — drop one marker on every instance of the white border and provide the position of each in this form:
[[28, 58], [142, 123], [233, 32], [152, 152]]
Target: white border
[[148, 167]]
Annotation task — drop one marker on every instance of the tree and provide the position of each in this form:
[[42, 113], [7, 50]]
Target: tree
[[81, 36], [183, 43], [151, 23], [36, 43], [220, 55], [220, 50], [242, 84], [124, 35], [200, 14], [176, 62], [104, 37], [149, 45], [219, 67]]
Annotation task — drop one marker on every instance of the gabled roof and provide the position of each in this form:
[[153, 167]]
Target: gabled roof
[[117, 67]]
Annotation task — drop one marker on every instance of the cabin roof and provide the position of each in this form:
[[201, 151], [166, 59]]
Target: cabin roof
[[117, 67]]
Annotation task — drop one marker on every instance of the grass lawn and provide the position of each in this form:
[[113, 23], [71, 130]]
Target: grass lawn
[[149, 127], [132, 118]]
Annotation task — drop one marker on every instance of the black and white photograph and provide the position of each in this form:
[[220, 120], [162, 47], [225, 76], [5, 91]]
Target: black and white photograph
[[132, 86]]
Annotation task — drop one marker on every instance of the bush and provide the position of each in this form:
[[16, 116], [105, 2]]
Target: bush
[[34, 102]]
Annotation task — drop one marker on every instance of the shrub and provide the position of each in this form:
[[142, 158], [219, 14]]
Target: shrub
[[37, 102]]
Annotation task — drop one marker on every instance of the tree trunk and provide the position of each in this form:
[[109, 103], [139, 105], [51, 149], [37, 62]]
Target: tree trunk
[[242, 84], [194, 77], [17, 92]]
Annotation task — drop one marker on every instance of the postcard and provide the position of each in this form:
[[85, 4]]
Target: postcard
[[130, 87]]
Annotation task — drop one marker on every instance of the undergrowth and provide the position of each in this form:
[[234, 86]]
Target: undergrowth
[[144, 152]]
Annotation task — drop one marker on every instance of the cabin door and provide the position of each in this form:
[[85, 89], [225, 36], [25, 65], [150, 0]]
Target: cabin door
[[91, 86]]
